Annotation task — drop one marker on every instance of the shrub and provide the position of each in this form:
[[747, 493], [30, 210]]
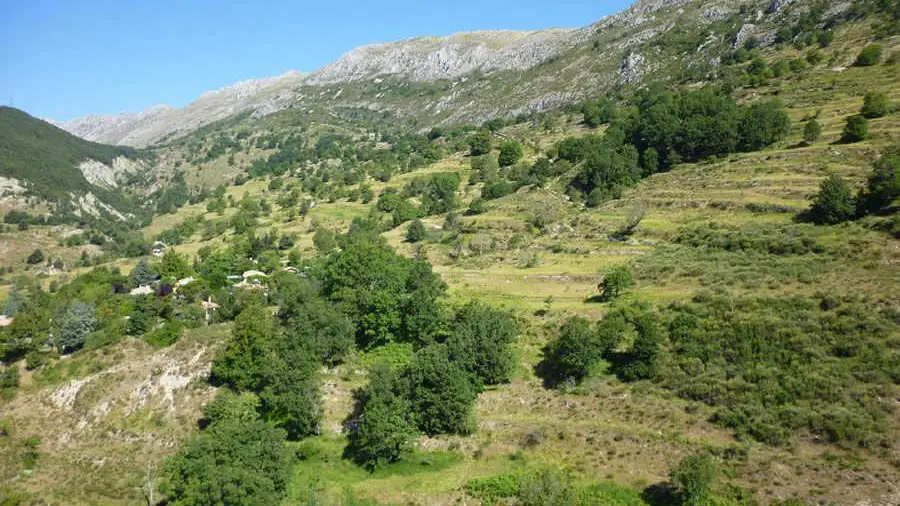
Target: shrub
[[616, 282], [548, 488], [510, 153], [231, 407], [9, 380], [166, 335], [875, 105], [870, 55], [855, 129], [812, 131], [416, 231], [834, 203], [496, 189], [693, 477], [571, 355], [36, 257]]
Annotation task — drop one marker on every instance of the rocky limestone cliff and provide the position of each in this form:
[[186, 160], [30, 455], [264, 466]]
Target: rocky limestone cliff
[[432, 58]]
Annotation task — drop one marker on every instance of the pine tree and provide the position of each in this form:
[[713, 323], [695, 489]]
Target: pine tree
[[142, 274]]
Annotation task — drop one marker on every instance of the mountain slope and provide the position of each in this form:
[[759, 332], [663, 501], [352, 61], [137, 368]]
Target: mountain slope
[[526, 71], [74, 175], [161, 122]]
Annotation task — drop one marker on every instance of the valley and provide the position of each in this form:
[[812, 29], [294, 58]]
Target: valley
[[723, 322]]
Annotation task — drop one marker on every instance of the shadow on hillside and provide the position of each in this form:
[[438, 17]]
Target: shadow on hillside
[[660, 494], [596, 299]]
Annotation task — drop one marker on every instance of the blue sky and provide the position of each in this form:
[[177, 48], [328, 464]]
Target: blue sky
[[64, 59]]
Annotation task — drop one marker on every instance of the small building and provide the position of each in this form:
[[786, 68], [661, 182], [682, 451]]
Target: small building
[[5, 321], [185, 281], [209, 307], [142, 290], [158, 249]]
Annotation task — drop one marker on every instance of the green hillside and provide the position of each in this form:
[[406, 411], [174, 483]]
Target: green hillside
[[683, 292], [46, 159]]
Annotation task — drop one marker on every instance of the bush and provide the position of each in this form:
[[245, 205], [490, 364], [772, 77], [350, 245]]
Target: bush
[[870, 55], [834, 203], [546, 489], [616, 282], [231, 407], [875, 105], [569, 357], [812, 131], [496, 189], [855, 129], [416, 231], [9, 380], [36, 257], [693, 477], [510, 153]]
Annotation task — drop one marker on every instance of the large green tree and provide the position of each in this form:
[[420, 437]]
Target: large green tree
[[388, 296], [479, 341], [242, 362], [569, 357], [78, 321], [232, 462], [383, 428], [441, 392]]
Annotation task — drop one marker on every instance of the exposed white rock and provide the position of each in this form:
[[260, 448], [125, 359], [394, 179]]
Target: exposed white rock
[[632, 68], [10, 188], [431, 58]]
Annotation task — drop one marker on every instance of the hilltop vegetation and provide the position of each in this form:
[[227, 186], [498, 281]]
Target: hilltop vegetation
[[45, 159], [680, 292]]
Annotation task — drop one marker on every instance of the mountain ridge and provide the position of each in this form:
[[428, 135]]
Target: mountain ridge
[[418, 59]]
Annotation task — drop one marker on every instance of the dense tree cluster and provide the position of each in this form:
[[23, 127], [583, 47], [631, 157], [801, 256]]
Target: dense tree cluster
[[653, 131], [436, 391]]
